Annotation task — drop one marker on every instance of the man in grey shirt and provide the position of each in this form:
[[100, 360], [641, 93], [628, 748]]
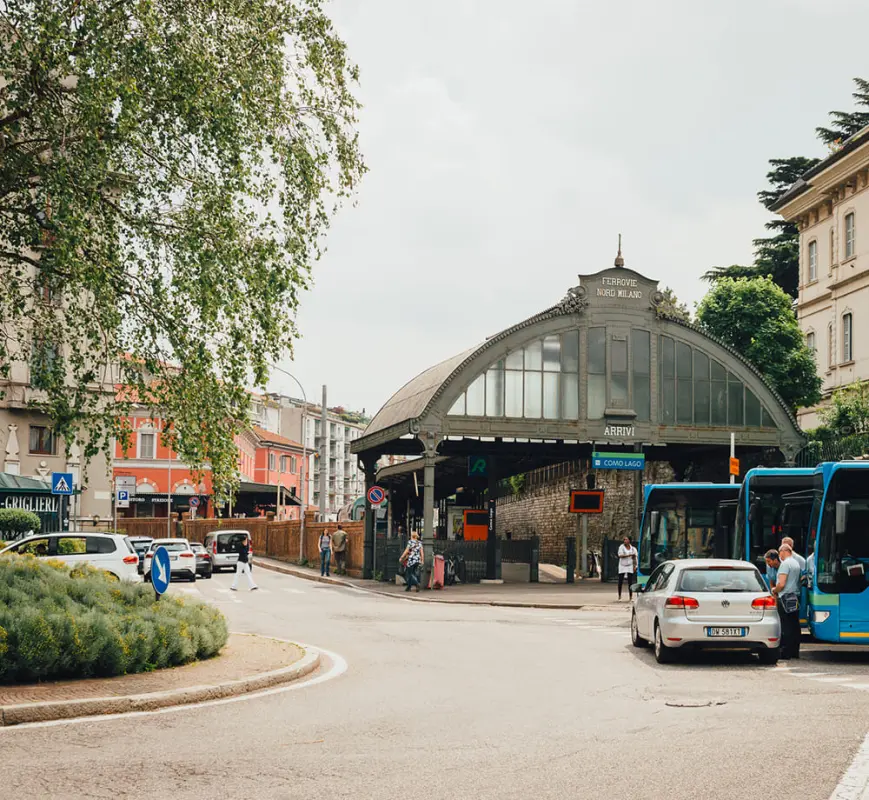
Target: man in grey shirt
[[787, 590], [800, 560]]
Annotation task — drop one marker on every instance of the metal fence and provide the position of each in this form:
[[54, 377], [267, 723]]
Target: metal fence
[[839, 449], [470, 557], [516, 551]]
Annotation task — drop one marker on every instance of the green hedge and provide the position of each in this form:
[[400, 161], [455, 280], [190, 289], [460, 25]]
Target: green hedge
[[15, 523], [60, 624]]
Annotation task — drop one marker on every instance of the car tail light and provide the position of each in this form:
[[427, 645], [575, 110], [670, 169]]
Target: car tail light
[[131, 559], [763, 602], [677, 601], [149, 555], [214, 547], [206, 556], [187, 555]]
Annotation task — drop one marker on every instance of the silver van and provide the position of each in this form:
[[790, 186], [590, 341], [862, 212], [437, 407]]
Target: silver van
[[222, 543]]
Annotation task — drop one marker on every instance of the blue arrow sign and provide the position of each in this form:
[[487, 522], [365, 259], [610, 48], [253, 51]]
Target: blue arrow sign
[[634, 461], [161, 571], [61, 483]]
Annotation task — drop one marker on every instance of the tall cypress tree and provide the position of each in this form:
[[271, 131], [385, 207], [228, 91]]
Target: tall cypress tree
[[847, 123]]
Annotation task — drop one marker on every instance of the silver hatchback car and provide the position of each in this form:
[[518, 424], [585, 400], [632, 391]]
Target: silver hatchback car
[[706, 604]]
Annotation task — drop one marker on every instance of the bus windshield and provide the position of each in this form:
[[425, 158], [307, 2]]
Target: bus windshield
[[843, 557], [681, 522], [770, 508]]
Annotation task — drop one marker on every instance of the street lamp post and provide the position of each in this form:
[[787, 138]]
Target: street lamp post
[[304, 458]]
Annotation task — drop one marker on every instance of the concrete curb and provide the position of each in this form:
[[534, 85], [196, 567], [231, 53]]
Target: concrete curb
[[95, 706], [417, 599]]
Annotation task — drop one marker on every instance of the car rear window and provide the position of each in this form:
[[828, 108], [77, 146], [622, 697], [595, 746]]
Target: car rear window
[[721, 580], [227, 541], [174, 547]]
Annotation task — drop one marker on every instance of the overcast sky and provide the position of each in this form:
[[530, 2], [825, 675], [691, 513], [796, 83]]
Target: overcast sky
[[510, 142]]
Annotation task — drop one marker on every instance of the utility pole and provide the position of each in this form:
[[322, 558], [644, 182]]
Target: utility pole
[[324, 456]]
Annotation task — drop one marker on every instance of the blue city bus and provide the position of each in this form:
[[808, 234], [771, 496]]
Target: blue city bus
[[685, 520], [773, 503], [839, 598]]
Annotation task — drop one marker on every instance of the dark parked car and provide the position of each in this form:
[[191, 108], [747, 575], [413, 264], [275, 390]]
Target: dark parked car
[[204, 565], [141, 545]]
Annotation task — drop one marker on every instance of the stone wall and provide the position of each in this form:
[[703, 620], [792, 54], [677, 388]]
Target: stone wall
[[542, 509]]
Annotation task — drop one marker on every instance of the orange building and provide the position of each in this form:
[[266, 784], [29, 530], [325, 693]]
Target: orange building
[[269, 469]]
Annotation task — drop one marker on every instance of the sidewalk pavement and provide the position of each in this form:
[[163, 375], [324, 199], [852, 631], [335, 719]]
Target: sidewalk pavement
[[248, 663], [589, 594]]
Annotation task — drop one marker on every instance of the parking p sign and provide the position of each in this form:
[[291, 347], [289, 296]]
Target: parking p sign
[[122, 499]]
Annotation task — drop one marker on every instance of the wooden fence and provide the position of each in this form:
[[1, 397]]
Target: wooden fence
[[280, 540], [152, 527]]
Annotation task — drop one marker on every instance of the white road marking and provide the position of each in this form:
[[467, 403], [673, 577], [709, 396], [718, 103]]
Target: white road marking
[[835, 679], [855, 782], [293, 591], [338, 668]]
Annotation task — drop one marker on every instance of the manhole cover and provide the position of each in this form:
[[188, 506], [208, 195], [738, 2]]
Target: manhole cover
[[694, 703]]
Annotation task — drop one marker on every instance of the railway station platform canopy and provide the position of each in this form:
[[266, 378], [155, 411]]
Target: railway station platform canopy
[[608, 368]]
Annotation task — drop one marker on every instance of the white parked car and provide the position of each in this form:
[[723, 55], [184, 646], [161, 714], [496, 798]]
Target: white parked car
[[111, 552], [706, 604], [182, 559]]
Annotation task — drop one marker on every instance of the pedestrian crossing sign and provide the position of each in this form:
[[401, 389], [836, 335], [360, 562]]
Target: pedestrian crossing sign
[[61, 483]]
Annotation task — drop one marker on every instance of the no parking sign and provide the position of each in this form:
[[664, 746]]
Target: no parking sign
[[376, 496]]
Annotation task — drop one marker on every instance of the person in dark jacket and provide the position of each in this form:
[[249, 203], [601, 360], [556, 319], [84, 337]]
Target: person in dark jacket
[[241, 546]]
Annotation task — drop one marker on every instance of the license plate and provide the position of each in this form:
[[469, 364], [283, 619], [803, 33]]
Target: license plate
[[233, 557], [713, 632]]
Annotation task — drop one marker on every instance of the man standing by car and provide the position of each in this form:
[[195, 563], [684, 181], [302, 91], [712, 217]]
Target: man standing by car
[[772, 562], [787, 590], [339, 549], [242, 566], [800, 560]]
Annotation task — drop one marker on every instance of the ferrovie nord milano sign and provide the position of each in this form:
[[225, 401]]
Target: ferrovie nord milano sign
[[619, 287]]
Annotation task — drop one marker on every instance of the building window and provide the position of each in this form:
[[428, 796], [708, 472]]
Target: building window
[[284, 461], [294, 466], [847, 353], [41, 440], [539, 380], [44, 364], [813, 261], [850, 235], [641, 351], [810, 342], [832, 248], [831, 350], [272, 462], [147, 442]]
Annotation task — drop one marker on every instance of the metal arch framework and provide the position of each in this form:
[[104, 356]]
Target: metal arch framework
[[421, 407]]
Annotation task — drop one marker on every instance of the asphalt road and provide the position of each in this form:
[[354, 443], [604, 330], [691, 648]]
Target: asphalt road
[[467, 702]]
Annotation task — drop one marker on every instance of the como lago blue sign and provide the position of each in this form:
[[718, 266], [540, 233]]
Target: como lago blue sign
[[636, 461]]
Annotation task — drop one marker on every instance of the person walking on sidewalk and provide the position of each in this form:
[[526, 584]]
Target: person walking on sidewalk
[[339, 550], [242, 565], [412, 558], [325, 553], [627, 565]]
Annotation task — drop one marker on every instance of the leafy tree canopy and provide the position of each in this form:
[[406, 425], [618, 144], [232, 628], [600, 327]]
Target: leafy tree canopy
[[848, 412], [754, 315], [673, 307], [167, 171]]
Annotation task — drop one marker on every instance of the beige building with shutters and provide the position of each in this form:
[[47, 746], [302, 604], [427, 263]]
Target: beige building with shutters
[[830, 205]]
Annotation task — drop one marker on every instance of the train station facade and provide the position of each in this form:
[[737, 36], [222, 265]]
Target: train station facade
[[608, 368]]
